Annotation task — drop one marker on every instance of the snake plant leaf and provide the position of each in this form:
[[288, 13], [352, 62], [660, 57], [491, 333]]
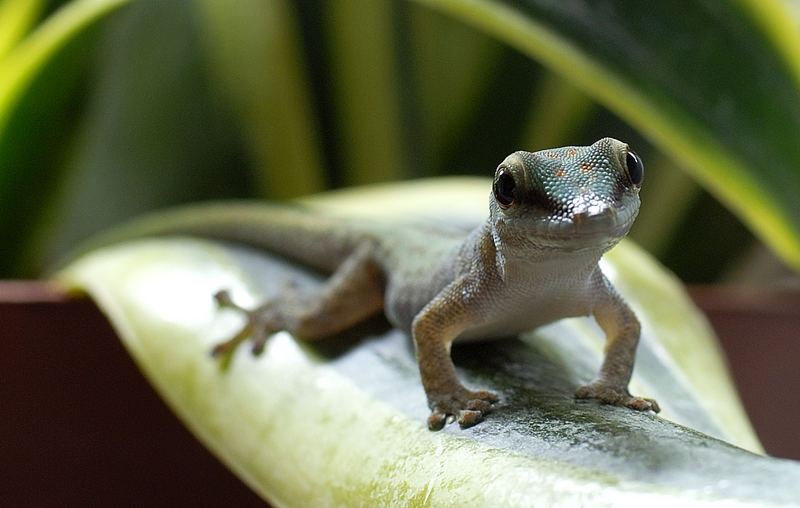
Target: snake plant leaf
[[16, 18], [36, 76], [341, 422], [714, 84], [30, 56], [254, 51]]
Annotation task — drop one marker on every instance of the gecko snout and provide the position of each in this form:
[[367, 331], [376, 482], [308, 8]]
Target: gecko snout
[[593, 216]]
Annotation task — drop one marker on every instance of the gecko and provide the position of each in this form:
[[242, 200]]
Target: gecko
[[552, 215]]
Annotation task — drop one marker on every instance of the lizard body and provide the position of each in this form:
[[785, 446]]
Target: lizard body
[[552, 215]]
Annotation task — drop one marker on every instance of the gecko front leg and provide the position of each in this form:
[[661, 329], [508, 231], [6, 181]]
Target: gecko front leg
[[434, 329], [353, 293], [622, 331]]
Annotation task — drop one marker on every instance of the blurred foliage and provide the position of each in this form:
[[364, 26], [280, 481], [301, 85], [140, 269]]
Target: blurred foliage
[[110, 108]]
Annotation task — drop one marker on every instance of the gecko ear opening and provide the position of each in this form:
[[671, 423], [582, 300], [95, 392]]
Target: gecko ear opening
[[504, 188]]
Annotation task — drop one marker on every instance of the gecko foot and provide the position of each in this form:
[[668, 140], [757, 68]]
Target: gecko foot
[[257, 328], [616, 396], [468, 406]]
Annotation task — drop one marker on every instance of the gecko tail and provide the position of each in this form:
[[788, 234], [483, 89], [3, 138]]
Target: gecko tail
[[319, 241]]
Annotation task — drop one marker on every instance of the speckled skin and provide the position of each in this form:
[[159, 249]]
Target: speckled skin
[[552, 215]]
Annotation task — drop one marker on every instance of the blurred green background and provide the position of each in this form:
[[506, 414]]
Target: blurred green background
[[111, 108]]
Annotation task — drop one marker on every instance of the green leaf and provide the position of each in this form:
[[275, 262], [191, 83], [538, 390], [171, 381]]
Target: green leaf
[[16, 17], [154, 131], [557, 113], [366, 84], [701, 80], [342, 422], [255, 52], [22, 65], [38, 77], [451, 65]]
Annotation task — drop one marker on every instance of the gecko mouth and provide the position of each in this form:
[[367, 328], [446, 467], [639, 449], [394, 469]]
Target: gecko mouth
[[586, 222], [589, 225], [599, 226]]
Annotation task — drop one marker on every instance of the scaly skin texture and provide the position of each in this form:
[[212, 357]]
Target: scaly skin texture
[[552, 215]]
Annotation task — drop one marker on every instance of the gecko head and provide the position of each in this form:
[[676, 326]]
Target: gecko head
[[569, 199]]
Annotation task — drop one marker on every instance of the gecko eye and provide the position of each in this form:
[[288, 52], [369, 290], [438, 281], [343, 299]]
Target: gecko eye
[[635, 167], [503, 188]]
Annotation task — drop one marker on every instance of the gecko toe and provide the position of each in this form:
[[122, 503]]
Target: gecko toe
[[261, 323], [228, 346], [258, 342], [479, 404], [616, 396], [642, 404], [468, 418], [436, 420], [468, 406], [487, 396], [654, 405], [223, 299]]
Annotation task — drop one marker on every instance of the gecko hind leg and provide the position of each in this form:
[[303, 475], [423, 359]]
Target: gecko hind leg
[[353, 293]]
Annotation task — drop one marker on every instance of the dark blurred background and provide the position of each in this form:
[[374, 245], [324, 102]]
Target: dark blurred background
[[160, 103]]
